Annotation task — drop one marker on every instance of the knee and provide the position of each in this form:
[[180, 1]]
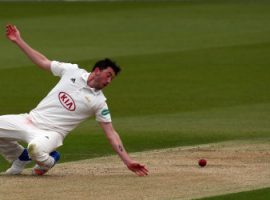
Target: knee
[[36, 153]]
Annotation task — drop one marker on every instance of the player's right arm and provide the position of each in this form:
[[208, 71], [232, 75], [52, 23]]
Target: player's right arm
[[36, 57]]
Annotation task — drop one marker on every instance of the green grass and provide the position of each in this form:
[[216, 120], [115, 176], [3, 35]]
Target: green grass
[[261, 194], [194, 71]]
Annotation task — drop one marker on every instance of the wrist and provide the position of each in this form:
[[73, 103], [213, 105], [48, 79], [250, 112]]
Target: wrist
[[126, 160]]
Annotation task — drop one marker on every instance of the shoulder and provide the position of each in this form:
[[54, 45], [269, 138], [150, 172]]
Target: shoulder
[[101, 97], [100, 100], [59, 68]]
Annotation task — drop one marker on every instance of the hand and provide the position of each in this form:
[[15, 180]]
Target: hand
[[12, 33], [138, 169]]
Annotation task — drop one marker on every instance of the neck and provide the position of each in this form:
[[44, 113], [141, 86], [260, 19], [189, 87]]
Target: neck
[[90, 80]]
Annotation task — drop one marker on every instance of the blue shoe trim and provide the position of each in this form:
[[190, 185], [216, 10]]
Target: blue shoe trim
[[55, 155], [24, 156]]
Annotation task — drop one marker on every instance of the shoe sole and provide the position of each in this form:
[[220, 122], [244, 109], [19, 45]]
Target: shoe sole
[[39, 172]]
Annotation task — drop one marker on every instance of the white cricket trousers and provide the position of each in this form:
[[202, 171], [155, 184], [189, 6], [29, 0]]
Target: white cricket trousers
[[17, 128]]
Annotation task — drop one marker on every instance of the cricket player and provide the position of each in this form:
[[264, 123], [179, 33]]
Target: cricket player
[[76, 97]]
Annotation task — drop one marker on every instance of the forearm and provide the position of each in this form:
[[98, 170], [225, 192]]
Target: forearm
[[132, 165], [118, 147], [36, 57]]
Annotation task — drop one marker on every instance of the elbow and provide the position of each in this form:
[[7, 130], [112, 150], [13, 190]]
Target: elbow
[[44, 64]]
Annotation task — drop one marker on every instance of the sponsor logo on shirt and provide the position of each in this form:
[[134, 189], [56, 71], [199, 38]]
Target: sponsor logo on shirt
[[105, 112], [73, 80], [67, 101]]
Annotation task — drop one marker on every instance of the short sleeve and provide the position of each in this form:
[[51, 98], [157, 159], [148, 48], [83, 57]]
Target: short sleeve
[[59, 68], [103, 113]]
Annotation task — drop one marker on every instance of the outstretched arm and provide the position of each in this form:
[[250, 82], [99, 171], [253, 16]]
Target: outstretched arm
[[37, 58], [117, 145]]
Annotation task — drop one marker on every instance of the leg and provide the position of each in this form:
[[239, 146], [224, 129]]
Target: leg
[[41, 150], [19, 128], [40, 169], [10, 149], [15, 153], [19, 164], [12, 129], [40, 156]]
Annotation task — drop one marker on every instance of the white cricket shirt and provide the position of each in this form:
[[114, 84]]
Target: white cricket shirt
[[70, 102]]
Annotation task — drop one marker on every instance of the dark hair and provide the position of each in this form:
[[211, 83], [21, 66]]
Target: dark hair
[[105, 63]]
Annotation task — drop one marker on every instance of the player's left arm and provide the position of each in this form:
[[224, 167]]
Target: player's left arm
[[117, 145]]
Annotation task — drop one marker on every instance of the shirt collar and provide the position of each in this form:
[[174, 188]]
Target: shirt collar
[[85, 78]]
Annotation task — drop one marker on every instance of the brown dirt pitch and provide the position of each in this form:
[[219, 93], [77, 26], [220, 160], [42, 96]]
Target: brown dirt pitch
[[174, 174]]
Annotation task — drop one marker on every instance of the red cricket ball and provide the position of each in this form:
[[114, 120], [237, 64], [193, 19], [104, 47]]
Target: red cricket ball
[[202, 162]]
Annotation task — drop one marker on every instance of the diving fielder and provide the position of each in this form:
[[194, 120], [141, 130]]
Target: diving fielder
[[77, 96]]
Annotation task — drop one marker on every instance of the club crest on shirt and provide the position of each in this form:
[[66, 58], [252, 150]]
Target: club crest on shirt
[[66, 101]]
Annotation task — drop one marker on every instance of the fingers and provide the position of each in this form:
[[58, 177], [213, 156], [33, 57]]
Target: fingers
[[10, 29], [141, 173], [145, 171], [139, 170]]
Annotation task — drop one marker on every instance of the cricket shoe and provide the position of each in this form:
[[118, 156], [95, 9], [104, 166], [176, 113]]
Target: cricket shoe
[[40, 169], [17, 167]]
